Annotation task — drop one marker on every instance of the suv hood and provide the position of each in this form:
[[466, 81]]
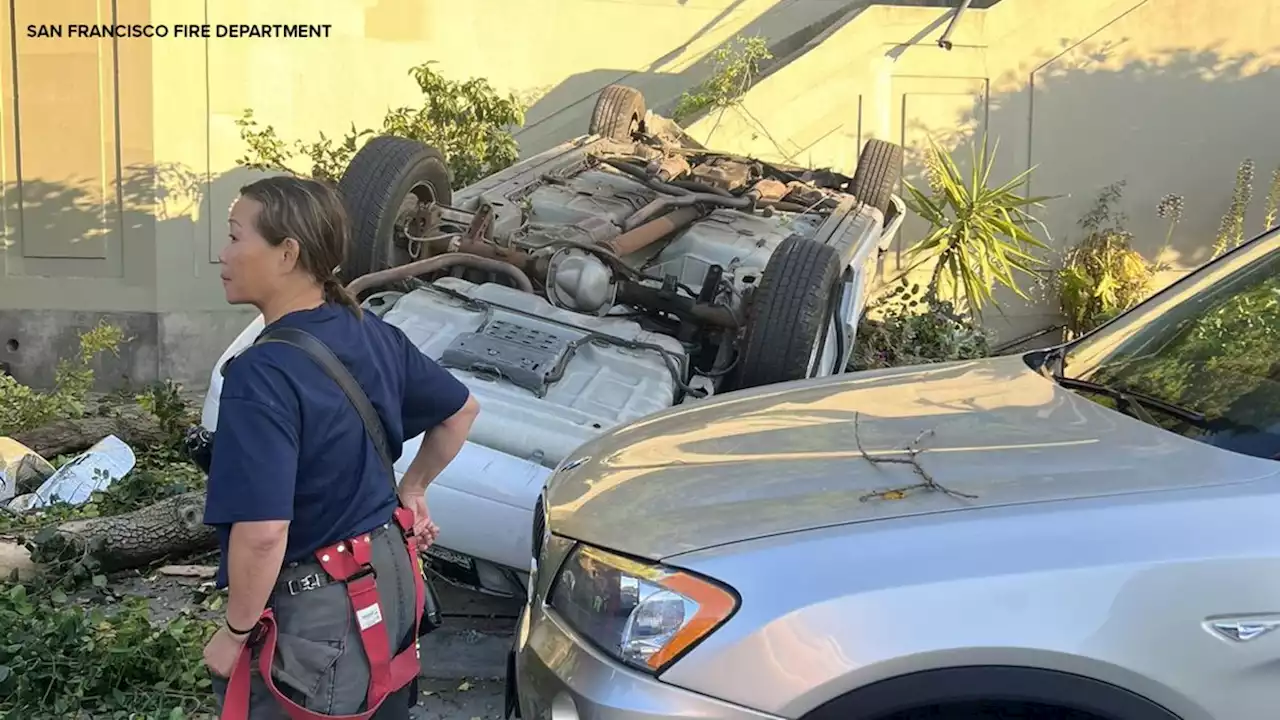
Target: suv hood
[[786, 457]]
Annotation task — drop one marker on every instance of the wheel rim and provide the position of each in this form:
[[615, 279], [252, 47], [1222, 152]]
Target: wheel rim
[[413, 220]]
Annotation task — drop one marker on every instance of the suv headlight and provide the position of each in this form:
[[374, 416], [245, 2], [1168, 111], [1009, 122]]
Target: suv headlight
[[643, 614]]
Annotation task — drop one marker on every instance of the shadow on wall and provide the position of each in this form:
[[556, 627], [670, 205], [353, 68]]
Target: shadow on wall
[[163, 245], [1183, 121], [561, 112]]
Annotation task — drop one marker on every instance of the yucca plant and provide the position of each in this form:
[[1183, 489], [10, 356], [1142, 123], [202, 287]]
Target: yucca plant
[[978, 234]]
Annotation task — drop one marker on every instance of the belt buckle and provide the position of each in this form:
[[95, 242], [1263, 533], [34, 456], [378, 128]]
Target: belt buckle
[[305, 583]]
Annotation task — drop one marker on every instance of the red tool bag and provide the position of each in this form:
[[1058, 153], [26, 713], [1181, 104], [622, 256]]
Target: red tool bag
[[348, 562]]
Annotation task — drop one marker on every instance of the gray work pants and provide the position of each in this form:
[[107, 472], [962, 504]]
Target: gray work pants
[[320, 662]]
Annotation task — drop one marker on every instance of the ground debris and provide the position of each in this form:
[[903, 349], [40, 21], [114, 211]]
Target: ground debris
[[189, 571], [927, 482]]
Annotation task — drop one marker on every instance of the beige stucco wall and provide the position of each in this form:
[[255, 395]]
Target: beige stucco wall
[[179, 99], [1168, 94]]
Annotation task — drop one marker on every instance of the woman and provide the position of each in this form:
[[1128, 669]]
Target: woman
[[294, 471]]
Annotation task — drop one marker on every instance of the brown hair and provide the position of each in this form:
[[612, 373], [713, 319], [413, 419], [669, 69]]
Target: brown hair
[[311, 213]]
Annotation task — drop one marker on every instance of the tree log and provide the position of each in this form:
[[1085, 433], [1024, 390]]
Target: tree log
[[64, 437], [171, 528]]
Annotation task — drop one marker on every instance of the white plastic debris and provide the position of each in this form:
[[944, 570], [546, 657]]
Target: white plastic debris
[[19, 466], [22, 503], [107, 461], [8, 483]]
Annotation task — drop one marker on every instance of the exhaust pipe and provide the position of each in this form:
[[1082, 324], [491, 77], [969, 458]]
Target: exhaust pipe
[[439, 262]]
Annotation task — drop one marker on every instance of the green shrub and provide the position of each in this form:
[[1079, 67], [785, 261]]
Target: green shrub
[[1103, 275], [468, 121], [910, 326]]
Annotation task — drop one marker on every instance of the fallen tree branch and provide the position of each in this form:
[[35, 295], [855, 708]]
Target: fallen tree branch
[[171, 528], [912, 450], [64, 437]]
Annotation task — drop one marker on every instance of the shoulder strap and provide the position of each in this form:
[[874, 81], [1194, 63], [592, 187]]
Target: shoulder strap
[[334, 368]]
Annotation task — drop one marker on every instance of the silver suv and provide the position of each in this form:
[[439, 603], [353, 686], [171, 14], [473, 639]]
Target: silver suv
[[1087, 532]]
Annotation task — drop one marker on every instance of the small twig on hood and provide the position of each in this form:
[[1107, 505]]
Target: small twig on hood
[[912, 450]]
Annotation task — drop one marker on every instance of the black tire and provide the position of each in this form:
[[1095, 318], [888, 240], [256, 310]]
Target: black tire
[[789, 308], [876, 177], [994, 711], [618, 112], [382, 178]]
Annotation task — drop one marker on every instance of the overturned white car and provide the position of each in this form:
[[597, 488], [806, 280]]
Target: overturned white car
[[609, 278]]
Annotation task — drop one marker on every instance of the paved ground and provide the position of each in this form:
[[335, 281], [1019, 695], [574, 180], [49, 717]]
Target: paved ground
[[474, 637], [463, 663], [461, 700]]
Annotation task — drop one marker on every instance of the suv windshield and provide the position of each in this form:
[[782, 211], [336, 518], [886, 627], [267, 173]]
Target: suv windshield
[[1201, 358]]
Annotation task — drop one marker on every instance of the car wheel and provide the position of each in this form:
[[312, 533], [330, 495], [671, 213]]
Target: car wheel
[[876, 177], [618, 113], [790, 314], [995, 711], [386, 189]]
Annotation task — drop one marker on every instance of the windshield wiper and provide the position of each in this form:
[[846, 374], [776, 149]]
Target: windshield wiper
[[1137, 402]]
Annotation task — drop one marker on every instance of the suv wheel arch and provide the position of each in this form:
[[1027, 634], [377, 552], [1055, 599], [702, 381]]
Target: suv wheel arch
[[883, 699]]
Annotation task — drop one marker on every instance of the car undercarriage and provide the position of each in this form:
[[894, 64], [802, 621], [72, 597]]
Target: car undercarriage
[[719, 272], [614, 276]]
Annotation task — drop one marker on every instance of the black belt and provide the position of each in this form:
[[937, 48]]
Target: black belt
[[319, 578]]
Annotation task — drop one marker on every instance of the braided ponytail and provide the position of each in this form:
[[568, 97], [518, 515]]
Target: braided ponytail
[[336, 292]]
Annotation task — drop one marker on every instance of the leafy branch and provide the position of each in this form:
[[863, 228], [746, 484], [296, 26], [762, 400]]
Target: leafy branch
[[22, 407], [737, 66]]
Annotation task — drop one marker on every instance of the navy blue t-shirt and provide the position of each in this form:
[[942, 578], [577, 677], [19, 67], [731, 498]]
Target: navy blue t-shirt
[[289, 445]]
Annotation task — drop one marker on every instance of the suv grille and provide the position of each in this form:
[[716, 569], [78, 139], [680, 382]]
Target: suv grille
[[539, 527]]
